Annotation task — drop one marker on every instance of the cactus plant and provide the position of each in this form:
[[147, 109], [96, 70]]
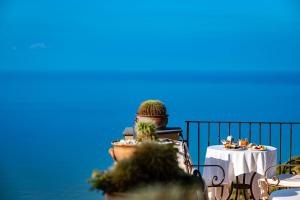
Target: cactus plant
[[145, 130], [152, 108]]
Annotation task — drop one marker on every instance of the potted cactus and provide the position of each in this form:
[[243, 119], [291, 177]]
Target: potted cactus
[[154, 110], [123, 149]]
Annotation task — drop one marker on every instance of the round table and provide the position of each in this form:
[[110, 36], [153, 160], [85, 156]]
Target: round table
[[236, 163]]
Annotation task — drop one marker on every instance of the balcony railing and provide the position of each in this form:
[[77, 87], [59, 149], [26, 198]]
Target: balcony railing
[[200, 134]]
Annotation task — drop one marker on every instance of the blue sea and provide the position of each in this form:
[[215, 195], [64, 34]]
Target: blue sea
[[56, 127]]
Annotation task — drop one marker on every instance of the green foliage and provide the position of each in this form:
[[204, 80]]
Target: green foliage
[[145, 131], [151, 164], [159, 161], [286, 170], [152, 108], [102, 180]]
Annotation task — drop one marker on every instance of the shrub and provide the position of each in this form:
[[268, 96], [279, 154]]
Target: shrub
[[151, 164]]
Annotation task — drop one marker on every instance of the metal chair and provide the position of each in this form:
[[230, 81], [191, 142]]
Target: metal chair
[[287, 177], [216, 182]]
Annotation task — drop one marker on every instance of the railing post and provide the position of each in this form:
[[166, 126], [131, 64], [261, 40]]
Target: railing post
[[250, 131], [260, 133], [270, 134], [291, 144], [280, 146], [208, 134], [240, 130], [219, 132], [187, 133], [198, 161]]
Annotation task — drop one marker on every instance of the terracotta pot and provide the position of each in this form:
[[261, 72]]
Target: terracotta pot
[[160, 121], [121, 151]]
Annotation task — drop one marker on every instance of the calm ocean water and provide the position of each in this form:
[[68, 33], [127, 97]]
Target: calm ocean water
[[57, 127]]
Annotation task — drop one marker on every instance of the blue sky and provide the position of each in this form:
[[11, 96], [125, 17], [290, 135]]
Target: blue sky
[[143, 35]]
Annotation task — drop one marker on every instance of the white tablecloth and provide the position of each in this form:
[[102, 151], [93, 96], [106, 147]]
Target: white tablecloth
[[237, 162]]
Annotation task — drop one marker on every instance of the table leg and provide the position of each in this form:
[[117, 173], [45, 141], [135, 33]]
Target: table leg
[[244, 182], [231, 190], [242, 186], [238, 183], [222, 192], [251, 182], [237, 193], [245, 195]]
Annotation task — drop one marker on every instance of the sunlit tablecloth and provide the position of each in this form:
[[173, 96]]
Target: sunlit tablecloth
[[236, 163]]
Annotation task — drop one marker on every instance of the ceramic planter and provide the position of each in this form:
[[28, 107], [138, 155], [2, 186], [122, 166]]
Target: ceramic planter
[[121, 151]]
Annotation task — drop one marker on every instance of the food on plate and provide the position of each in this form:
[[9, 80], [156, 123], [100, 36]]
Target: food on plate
[[259, 147], [251, 145], [227, 145], [231, 146]]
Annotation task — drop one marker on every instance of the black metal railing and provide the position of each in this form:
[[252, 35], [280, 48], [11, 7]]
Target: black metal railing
[[269, 133]]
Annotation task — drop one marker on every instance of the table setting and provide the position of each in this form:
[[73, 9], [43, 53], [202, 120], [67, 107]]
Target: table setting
[[243, 162]]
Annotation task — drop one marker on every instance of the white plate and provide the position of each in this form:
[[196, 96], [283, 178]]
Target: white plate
[[238, 149], [258, 149]]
